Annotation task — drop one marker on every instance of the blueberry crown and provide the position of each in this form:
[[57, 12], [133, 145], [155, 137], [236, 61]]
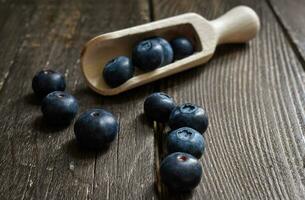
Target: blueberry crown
[[184, 134], [145, 45], [188, 108]]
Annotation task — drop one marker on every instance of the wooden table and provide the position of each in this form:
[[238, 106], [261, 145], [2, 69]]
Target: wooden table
[[254, 95]]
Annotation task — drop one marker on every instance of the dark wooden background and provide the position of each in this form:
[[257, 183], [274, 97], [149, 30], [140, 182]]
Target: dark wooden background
[[254, 95]]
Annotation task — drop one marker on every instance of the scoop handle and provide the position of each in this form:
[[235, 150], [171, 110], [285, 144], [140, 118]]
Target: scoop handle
[[237, 25]]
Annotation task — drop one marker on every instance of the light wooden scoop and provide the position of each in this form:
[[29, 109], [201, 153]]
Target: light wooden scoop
[[236, 26]]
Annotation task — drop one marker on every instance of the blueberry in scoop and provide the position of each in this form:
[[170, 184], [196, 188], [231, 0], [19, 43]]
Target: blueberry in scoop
[[182, 47], [167, 49], [148, 55], [118, 71]]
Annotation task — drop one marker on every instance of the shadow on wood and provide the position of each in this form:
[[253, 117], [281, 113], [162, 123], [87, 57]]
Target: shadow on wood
[[75, 151], [78, 153], [228, 49], [175, 195], [122, 98], [144, 120], [179, 195], [42, 126], [32, 99]]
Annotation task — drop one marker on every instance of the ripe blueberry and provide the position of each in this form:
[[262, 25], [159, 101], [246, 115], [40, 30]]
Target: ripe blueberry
[[118, 71], [167, 49], [158, 106], [59, 108], [182, 47], [189, 115], [180, 171], [185, 140], [148, 55], [96, 129], [47, 81]]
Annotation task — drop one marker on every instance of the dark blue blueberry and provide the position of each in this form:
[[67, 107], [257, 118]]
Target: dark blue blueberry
[[118, 71], [182, 47], [59, 107], [168, 51], [180, 172], [148, 55], [96, 129], [47, 81], [189, 115], [185, 140], [158, 106]]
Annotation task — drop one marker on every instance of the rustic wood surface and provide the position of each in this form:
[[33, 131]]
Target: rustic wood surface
[[292, 18], [254, 95], [42, 162]]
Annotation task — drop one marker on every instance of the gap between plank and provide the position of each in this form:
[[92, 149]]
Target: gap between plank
[[151, 10], [293, 45], [158, 129]]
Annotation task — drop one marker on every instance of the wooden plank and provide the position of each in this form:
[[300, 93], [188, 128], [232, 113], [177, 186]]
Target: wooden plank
[[5, 10], [42, 162], [292, 17], [255, 100], [12, 28]]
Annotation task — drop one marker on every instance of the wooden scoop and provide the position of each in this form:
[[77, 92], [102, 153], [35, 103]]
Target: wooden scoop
[[236, 26]]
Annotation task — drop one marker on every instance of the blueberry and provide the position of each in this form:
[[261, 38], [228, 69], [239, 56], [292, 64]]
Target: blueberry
[[47, 81], [180, 172], [118, 71], [158, 106], [189, 115], [185, 140], [182, 47], [59, 107], [96, 129], [148, 55], [167, 49]]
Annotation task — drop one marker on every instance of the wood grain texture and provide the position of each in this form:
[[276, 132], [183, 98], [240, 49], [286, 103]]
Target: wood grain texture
[[42, 162], [254, 95], [11, 35], [292, 17]]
